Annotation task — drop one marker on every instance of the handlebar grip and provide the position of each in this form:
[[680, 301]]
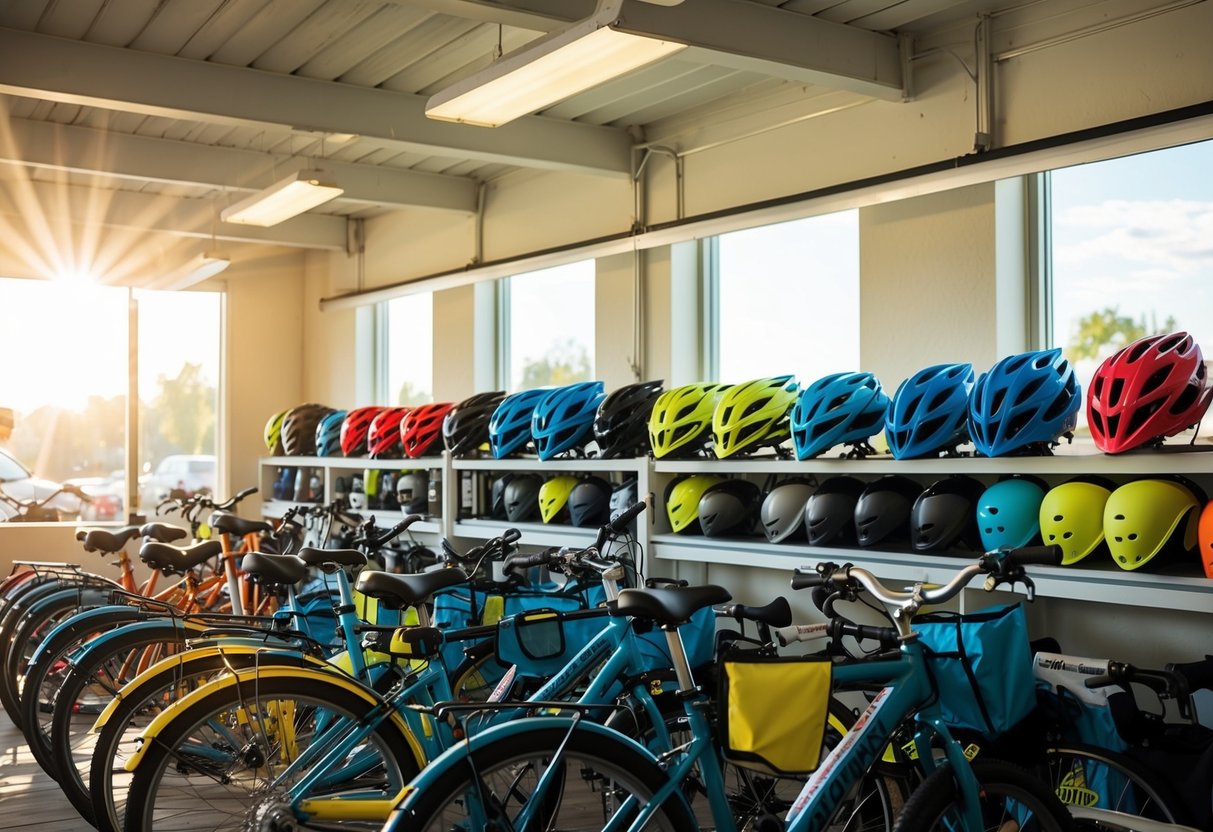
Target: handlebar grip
[[527, 561], [1039, 555], [248, 492], [801, 632], [620, 523], [510, 536], [807, 580]]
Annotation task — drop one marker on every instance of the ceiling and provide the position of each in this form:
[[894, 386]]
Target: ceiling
[[176, 108]]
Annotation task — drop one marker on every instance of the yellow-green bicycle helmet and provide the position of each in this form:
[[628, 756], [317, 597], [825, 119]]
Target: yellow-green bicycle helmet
[[1141, 517], [554, 496], [681, 421], [752, 415], [682, 500], [1071, 516], [273, 433]]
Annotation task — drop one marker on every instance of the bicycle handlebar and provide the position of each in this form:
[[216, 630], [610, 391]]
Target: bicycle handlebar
[[835, 628]]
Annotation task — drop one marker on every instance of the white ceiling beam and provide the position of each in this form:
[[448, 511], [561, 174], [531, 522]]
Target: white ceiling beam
[[51, 203], [783, 44], [146, 159], [738, 34], [88, 74]]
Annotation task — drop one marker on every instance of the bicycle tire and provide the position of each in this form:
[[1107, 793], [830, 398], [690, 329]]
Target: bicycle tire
[[600, 769], [1011, 798], [95, 673], [476, 677], [10, 619], [108, 779], [44, 677], [175, 771], [1097, 778]]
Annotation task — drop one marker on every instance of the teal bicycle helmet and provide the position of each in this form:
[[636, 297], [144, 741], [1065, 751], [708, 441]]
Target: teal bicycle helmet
[[563, 418], [1008, 513], [926, 415], [328, 434], [1024, 404], [510, 425], [839, 408]]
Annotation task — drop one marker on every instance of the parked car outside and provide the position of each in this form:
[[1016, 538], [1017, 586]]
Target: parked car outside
[[17, 482], [106, 495], [179, 474]]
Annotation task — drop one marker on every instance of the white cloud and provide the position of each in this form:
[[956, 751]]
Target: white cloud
[[1173, 237]]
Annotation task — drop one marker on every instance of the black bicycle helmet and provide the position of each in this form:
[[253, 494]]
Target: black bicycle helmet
[[883, 509], [782, 511], [465, 430], [590, 502], [621, 425], [299, 428], [522, 498], [829, 514], [624, 496], [729, 508], [945, 515], [497, 496]]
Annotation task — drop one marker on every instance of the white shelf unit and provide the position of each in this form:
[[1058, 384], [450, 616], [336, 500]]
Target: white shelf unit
[[333, 467], [1096, 582], [471, 527]]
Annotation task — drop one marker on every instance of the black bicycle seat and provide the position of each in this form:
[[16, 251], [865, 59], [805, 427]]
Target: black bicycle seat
[[670, 605], [161, 532], [274, 569], [313, 556], [237, 525], [107, 542], [398, 591], [171, 559]]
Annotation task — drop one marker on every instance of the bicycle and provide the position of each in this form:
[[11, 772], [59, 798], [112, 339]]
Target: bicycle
[[526, 772], [309, 779]]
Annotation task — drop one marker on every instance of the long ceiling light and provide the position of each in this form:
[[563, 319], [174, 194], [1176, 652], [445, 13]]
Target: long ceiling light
[[558, 65], [299, 192], [201, 267]]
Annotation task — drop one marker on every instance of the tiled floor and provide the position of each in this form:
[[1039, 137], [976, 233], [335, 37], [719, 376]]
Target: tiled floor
[[29, 799]]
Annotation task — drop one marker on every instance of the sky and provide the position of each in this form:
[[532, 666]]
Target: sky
[[410, 344], [67, 340], [534, 296]]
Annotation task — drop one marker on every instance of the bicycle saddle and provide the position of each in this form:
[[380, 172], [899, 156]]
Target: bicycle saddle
[[171, 559], [274, 569], [313, 556], [105, 542], [161, 532], [670, 605], [234, 524], [398, 591]]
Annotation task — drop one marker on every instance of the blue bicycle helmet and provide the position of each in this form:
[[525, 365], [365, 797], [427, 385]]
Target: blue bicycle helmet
[[927, 413], [1008, 513], [510, 425], [562, 419], [328, 434], [1024, 403], [842, 407]]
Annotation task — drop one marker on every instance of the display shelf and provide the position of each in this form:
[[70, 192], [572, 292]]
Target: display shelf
[[1176, 459], [533, 534], [343, 463], [1082, 583], [551, 465], [275, 509]]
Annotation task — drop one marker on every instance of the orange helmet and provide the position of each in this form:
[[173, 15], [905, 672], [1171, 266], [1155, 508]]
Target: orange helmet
[[1205, 535]]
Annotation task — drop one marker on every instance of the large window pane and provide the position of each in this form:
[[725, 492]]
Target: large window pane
[[410, 349], [551, 326], [179, 352], [65, 378], [1131, 252], [788, 299]]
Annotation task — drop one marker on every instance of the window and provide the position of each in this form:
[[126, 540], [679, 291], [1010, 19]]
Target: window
[[1131, 253], [67, 377], [541, 348], [785, 299], [410, 350]]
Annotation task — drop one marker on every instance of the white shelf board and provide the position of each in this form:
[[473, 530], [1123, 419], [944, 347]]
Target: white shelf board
[[533, 534], [553, 465], [1181, 460], [384, 518], [1111, 585]]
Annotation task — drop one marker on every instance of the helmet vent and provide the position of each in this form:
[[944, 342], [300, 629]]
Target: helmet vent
[[1065, 536], [1133, 536], [1017, 364], [1057, 518], [1171, 341], [1058, 408], [1185, 399], [926, 527], [827, 425], [1119, 517], [996, 402], [685, 411], [1029, 390], [929, 426], [911, 409], [1140, 349], [937, 401], [1141, 415], [1118, 386], [992, 509], [1156, 380]]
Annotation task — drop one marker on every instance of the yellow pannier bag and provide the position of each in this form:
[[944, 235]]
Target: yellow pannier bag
[[773, 711]]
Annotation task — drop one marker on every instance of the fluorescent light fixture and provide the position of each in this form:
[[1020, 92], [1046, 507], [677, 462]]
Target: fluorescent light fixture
[[202, 267], [299, 192], [548, 70]]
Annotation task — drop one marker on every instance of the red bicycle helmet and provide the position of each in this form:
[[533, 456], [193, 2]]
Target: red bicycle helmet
[[1151, 389], [421, 428], [355, 428], [383, 438]]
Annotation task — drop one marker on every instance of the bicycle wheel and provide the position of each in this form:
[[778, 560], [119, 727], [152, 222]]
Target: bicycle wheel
[[93, 681], [1095, 778], [476, 677], [108, 779], [220, 763], [593, 778], [1011, 798]]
